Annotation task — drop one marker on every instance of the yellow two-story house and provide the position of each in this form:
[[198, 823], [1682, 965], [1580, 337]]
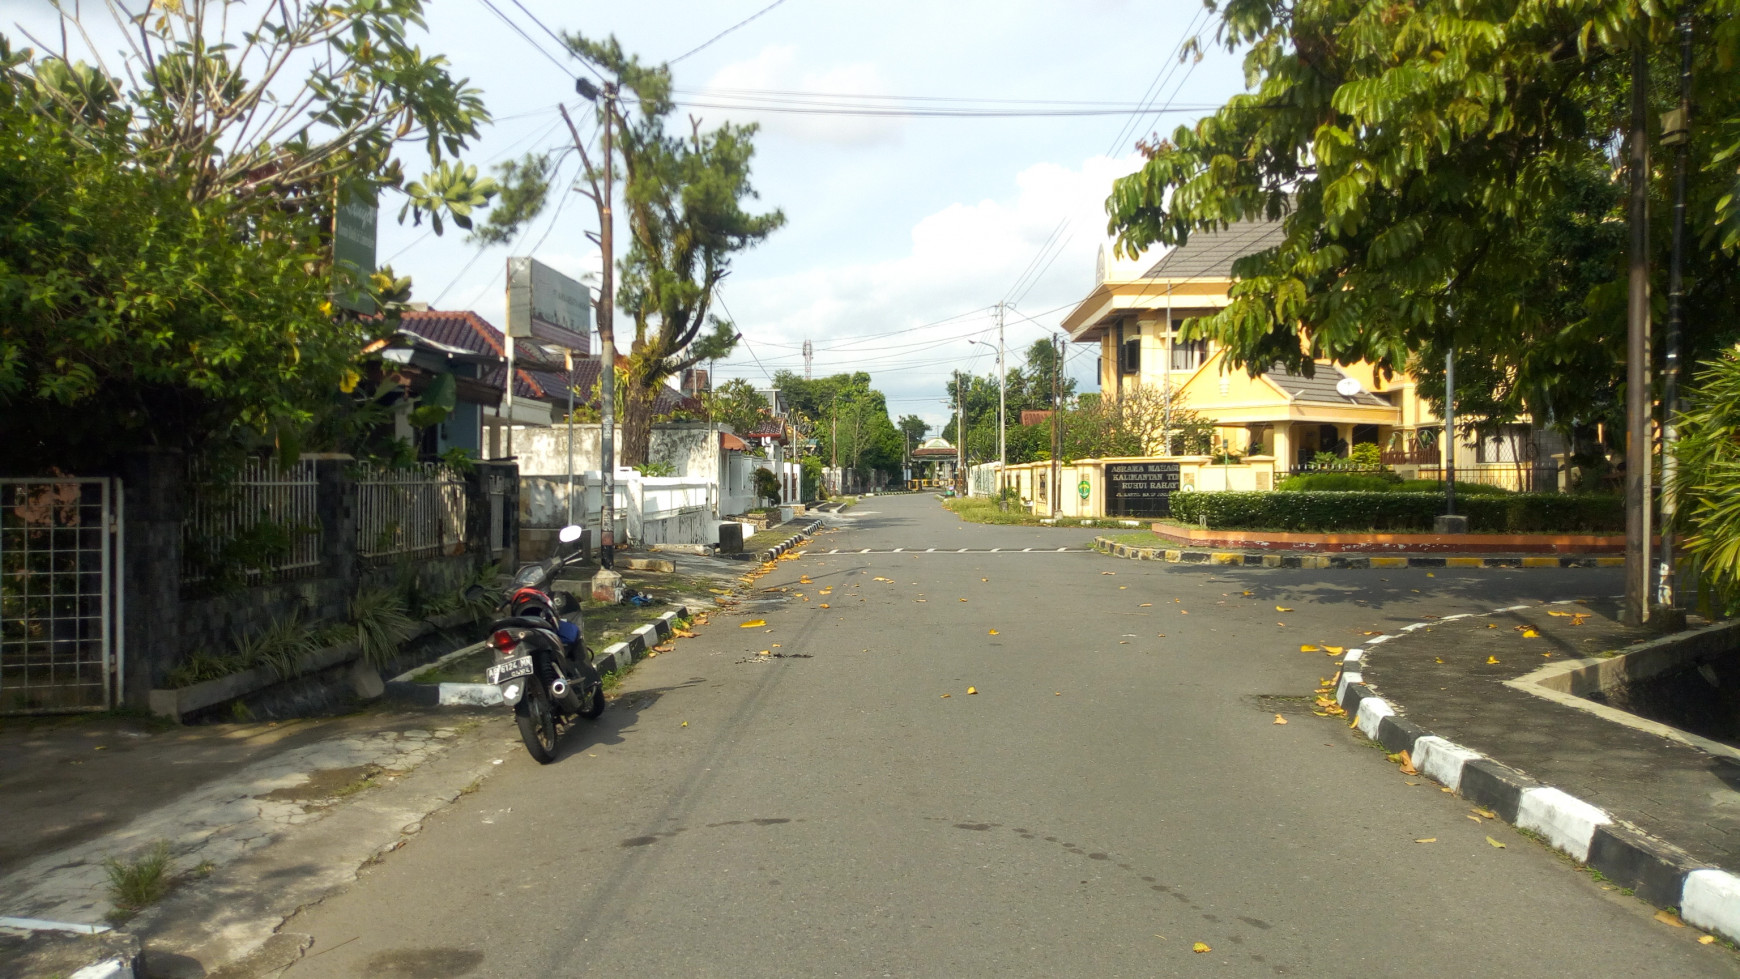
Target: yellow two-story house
[[1134, 314]]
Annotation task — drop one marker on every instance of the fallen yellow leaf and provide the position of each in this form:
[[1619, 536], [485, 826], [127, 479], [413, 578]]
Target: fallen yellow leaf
[[1407, 762], [1706, 939], [1437, 659], [1486, 813], [765, 652], [992, 632], [963, 599], [685, 723], [1123, 587], [1531, 634], [1146, 605], [826, 605], [1495, 843], [1308, 649], [1334, 650], [752, 624], [972, 690], [1669, 918], [947, 696], [1282, 608], [1558, 614], [1200, 947], [1429, 839], [1492, 661], [1430, 575], [1279, 719]]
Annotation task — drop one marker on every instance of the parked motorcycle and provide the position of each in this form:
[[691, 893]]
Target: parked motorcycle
[[542, 663]]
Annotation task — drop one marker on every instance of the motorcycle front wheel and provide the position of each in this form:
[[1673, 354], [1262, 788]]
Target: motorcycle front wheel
[[537, 723]]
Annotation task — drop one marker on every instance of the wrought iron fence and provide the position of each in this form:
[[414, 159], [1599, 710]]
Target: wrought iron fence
[[416, 510], [258, 522]]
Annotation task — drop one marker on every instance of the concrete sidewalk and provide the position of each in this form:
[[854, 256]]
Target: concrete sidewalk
[[1649, 810], [258, 818]]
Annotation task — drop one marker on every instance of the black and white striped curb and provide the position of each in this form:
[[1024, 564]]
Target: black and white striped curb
[[618, 656], [1272, 559], [775, 551], [1659, 872]]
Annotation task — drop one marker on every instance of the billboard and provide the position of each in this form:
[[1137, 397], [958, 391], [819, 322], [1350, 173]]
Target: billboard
[[547, 306]]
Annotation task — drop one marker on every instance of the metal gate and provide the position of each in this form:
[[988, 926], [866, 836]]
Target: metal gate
[[60, 547]]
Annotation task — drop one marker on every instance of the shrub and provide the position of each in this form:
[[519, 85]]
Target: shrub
[[1335, 482], [1340, 511], [1462, 489]]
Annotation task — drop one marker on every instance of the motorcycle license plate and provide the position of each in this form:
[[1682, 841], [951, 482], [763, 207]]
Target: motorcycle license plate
[[509, 670]]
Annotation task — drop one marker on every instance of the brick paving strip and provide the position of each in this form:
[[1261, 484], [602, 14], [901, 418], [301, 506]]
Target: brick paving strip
[[1646, 807]]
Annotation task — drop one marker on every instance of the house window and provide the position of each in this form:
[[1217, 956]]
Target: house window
[[1130, 356], [1188, 355]]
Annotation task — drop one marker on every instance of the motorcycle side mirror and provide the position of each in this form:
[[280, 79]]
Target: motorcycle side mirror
[[569, 534], [474, 593]]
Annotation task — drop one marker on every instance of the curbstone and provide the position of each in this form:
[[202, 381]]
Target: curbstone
[[1313, 561], [1710, 899], [1442, 760], [1396, 733], [1654, 870], [1566, 821], [1495, 786], [1372, 711]]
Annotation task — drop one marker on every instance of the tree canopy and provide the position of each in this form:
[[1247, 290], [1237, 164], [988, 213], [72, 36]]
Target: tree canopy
[[166, 269], [848, 419], [1445, 175]]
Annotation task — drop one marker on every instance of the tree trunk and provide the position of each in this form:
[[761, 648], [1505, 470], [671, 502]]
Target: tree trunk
[[637, 417]]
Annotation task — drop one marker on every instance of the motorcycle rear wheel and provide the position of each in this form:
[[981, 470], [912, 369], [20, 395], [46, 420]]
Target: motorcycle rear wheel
[[537, 722]]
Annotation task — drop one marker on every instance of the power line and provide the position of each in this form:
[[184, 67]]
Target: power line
[[720, 298], [724, 32], [558, 38], [528, 38]]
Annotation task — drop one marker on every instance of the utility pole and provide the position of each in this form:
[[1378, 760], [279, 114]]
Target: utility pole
[[960, 432], [1002, 395], [1450, 432], [1057, 427], [1677, 126], [1637, 361], [606, 314]]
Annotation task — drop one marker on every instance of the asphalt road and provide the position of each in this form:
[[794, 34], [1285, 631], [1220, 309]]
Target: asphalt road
[[1115, 791]]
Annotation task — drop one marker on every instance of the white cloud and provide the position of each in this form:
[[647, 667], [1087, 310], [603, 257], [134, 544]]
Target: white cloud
[[963, 257], [776, 69]]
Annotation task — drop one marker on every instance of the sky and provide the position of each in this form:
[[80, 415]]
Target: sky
[[902, 232]]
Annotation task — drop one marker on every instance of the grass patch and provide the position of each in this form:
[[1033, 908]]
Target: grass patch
[[612, 679], [465, 669], [979, 509], [1136, 538], [137, 884]]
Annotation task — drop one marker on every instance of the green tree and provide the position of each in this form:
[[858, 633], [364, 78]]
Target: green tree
[[849, 420], [736, 403], [1444, 174], [1708, 476], [165, 237], [913, 428], [684, 200]]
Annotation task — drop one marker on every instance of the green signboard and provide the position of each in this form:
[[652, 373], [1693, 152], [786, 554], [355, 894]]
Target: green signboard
[[353, 249]]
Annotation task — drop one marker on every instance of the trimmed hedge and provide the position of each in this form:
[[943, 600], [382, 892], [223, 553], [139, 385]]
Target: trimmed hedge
[[1462, 489], [1332, 482], [1514, 513]]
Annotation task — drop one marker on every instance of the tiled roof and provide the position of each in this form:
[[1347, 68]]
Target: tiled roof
[[1321, 388], [1210, 254], [536, 375]]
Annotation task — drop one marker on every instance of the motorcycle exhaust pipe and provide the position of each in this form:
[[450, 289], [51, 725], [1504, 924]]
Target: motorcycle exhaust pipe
[[565, 695]]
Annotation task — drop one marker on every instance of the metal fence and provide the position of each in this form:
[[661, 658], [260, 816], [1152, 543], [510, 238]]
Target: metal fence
[[260, 522], [59, 600], [417, 510]]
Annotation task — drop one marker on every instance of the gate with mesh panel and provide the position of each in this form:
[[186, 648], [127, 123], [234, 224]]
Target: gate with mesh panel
[[60, 548]]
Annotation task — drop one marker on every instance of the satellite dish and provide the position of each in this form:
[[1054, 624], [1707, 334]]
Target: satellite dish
[[1347, 387]]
